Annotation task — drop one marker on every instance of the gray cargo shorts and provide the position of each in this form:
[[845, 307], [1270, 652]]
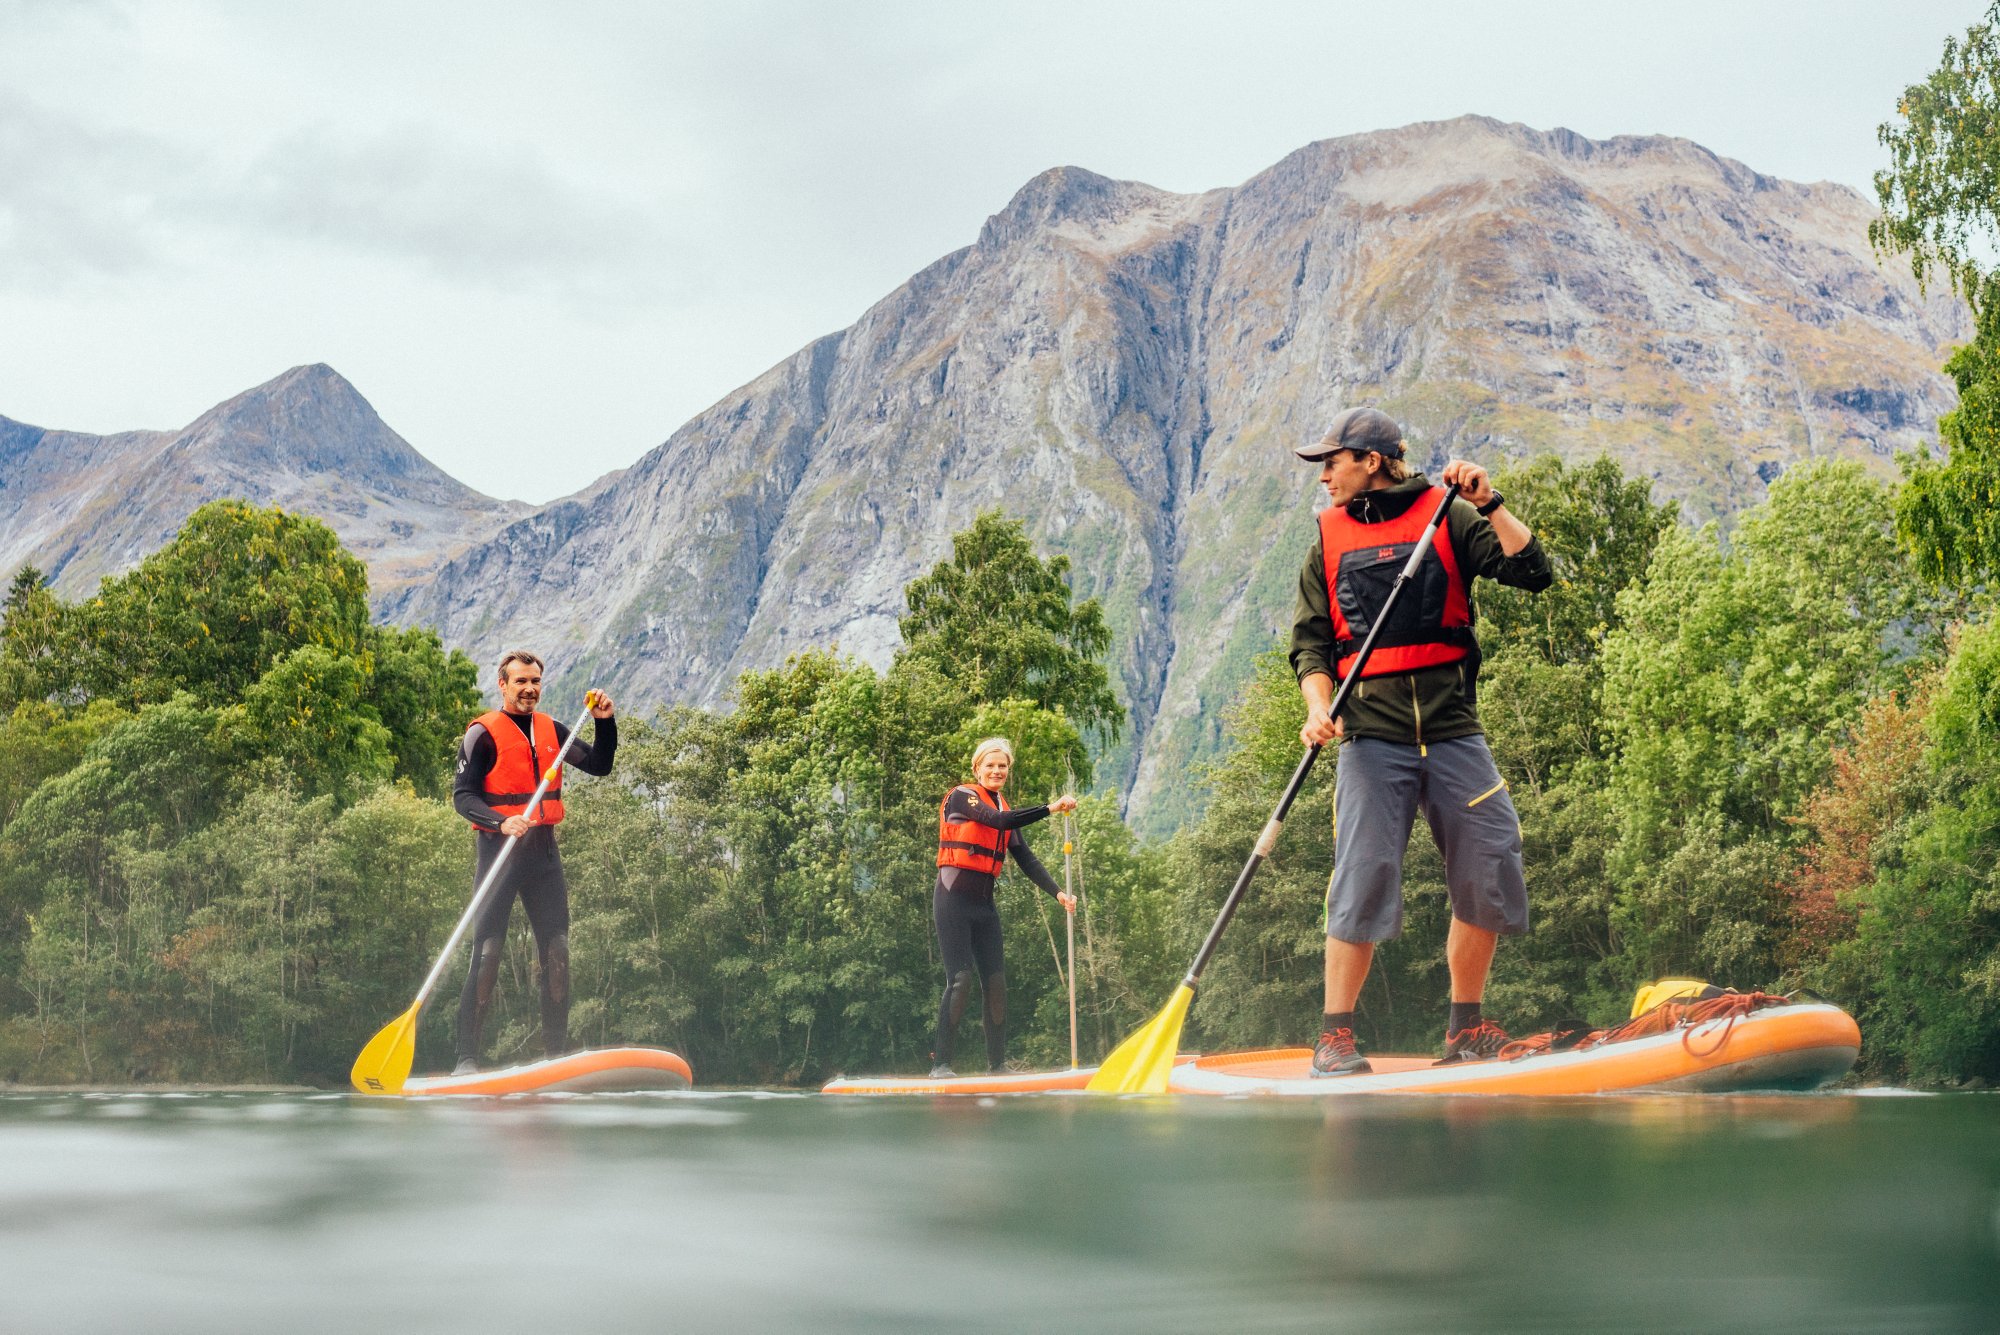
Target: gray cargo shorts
[[1377, 789]]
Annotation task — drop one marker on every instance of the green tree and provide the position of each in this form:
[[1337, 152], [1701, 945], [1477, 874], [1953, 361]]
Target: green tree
[[1940, 199], [1924, 959], [999, 619], [1732, 677], [425, 697], [1599, 528], [1127, 953], [39, 741], [1948, 512], [1940, 195], [1734, 671], [37, 644], [308, 723], [313, 926], [236, 590], [1261, 987], [93, 925]]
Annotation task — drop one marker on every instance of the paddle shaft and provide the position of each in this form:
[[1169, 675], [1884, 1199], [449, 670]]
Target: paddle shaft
[[1268, 840], [493, 873], [1069, 918]]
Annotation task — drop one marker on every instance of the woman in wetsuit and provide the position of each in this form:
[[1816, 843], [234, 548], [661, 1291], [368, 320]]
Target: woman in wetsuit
[[976, 831]]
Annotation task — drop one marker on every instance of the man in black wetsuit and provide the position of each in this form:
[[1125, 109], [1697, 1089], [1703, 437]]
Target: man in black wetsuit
[[500, 763], [976, 831]]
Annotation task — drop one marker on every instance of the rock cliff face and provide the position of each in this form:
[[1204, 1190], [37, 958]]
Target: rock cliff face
[[80, 507], [1129, 368]]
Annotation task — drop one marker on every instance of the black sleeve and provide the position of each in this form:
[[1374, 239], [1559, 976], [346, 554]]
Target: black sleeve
[[594, 756], [1031, 864], [964, 806], [476, 755]]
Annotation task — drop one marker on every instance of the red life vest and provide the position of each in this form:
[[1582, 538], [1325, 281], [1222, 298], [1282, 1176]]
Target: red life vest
[[517, 767], [1431, 623], [967, 843]]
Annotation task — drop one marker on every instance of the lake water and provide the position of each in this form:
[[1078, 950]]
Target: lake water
[[296, 1212]]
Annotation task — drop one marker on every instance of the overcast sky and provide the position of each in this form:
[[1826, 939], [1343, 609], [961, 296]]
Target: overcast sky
[[539, 237]]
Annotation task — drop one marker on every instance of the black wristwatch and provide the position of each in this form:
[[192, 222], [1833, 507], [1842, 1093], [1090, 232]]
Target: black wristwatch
[[1492, 505]]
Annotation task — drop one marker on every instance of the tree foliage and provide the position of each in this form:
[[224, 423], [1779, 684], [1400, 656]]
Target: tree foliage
[[999, 619], [1940, 199], [237, 590], [1732, 678], [1940, 194], [1948, 511], [1598, 528], [1718, 761]]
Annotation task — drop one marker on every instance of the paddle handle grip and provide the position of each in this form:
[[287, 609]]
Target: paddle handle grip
[[486, 883], [1267, 840]]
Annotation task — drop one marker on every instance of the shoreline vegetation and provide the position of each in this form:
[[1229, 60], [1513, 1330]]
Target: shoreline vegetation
[[226, 849]]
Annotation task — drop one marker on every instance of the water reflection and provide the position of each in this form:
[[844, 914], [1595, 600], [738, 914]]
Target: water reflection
[[228, 1212]]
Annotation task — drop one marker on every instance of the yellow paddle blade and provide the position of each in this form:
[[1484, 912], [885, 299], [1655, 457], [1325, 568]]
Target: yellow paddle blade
[[1141, 1064], [384, 1064]]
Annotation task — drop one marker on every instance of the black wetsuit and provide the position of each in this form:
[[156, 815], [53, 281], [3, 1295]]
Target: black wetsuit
[[534, 873], [968, 927]]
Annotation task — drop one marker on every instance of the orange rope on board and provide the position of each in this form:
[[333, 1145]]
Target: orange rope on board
[[1686, 1016]]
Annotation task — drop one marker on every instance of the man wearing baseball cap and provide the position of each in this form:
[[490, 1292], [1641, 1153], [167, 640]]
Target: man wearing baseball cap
[[1409, 732]]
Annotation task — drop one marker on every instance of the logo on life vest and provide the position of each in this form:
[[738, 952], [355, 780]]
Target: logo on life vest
[[1385, 553]]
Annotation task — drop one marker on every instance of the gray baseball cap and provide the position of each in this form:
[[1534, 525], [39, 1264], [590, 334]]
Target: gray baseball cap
[[1357, 429]]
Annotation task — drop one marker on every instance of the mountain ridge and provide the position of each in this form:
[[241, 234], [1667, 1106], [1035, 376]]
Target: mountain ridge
[[80, 506]]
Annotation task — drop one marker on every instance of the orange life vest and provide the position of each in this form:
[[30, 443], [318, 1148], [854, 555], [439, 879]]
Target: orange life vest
[[1431, 623], [967, 843], [517, 767]]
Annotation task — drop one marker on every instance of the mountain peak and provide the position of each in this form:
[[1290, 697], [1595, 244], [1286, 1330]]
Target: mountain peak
[[311, 419], [1060, 195], [81, 506]]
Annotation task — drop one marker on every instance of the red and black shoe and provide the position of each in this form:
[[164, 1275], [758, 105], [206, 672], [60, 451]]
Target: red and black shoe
[[1337, 1055], [1474, 1043]]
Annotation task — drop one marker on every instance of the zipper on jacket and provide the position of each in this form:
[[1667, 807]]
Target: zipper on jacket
[[1417, 710]]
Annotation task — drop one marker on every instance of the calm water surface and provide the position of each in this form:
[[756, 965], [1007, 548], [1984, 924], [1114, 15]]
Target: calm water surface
[[224, 1212]]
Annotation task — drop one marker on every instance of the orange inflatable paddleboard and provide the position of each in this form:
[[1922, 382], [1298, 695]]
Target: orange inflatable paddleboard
[[1778, 1047], [999, 1082], [598, 1071]]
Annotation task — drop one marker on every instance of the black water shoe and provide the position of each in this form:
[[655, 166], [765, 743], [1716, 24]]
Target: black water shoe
[[1337, 1055]]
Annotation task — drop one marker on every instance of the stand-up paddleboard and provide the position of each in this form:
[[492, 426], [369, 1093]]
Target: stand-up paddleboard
[[998, 1082], [600, 1071], [1777, 1047]]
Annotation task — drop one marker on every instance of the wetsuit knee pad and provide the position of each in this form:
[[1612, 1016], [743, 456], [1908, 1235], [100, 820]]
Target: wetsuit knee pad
[[957, 992], [555, 967], [486, 967]]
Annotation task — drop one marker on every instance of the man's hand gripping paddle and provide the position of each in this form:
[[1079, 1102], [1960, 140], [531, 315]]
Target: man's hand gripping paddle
[[384, 1065], [1142, 1063]]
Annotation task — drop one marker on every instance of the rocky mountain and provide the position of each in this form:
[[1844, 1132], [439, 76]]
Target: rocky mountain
[[1128, 368], [80, 506]]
